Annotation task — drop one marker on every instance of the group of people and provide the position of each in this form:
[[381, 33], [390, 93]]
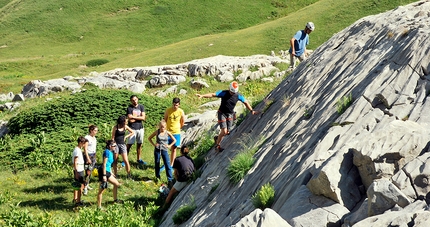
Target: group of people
[[167, 136], [124, 135]]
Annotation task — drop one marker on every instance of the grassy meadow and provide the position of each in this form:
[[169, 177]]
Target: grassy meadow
[[52, 39]]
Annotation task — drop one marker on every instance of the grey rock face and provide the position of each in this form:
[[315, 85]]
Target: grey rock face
[[337, 154]]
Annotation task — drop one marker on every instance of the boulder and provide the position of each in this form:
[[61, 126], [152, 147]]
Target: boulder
[[258, 218], [403, 217], [384, 195], [306, 209]]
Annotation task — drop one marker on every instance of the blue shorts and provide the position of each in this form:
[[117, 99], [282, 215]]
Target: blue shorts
[[178, 140]]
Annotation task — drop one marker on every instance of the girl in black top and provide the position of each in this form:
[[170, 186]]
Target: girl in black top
[[119, 136]]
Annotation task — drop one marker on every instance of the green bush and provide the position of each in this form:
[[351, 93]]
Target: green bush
[[184, 212], [115, 215], [239, 166], [96, 62], [45, 135], [265, 197]]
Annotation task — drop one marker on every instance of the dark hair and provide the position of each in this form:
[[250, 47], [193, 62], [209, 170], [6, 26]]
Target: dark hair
[[82, 139], [184, 150], [109, 143], [121, 120], [176, 100], [91, 128], [133, 96]]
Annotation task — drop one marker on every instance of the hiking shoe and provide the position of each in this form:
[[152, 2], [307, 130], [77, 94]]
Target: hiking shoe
[[123, 164], [118, 201], [219, 149], [85, 192], [141, 162], [162, 168]]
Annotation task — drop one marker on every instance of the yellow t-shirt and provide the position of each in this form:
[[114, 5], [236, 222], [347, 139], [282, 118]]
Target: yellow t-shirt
[[174, 120]]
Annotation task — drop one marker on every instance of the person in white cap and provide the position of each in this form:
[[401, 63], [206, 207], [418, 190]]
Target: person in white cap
[[298, 44], [229, 99]]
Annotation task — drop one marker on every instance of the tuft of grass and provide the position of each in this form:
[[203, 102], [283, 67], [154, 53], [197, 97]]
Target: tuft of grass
[[184, 212], [405, 32], [390, 35], [265, 197], [240, 166], [343, 103]]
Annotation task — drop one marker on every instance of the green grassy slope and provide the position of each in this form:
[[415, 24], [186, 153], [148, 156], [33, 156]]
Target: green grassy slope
[[51, 39], [46, 39]]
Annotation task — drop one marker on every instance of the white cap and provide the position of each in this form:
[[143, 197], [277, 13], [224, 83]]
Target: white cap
[[310, 26], [234, 87]]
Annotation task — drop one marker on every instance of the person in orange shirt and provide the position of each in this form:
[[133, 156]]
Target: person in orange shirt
[[175, 118]]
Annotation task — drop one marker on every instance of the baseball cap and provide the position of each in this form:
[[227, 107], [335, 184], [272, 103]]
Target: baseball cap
[[310, 26]]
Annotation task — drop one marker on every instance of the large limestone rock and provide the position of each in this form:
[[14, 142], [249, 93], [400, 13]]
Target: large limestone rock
[[382, 61]]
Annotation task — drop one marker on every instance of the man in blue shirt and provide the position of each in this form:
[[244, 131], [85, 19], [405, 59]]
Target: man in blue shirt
[[298, 44]]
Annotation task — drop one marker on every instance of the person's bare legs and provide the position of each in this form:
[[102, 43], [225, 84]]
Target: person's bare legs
[[139, 150], [172, 192], [128, 148], [172, 154], [127, 164], [222, 133], [115, 183], [99, 197]]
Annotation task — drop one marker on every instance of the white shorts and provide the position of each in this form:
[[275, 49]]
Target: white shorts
[[137, 137], [180, 185]]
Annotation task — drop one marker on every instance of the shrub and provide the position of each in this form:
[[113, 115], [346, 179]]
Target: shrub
[[239, 166], [265, 197], [184, 212], [96, 62], [344, 103]]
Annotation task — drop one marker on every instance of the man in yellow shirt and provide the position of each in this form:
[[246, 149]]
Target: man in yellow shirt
[[175, 118]]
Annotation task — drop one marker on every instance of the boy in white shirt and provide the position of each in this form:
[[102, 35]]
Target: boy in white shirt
[[78, 171]]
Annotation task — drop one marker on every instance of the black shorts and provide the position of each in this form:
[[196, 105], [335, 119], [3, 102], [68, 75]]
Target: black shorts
[[108, 174]]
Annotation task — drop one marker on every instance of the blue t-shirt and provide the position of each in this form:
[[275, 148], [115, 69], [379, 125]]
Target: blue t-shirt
[[228, 101], [109, 155], [302, 40]]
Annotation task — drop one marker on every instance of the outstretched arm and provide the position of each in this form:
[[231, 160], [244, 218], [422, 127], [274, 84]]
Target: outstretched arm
[[208, 95]]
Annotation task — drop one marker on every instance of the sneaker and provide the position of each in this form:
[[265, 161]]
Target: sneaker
[[118, 201], [85, 192], [123, 164], [79, 204], [162, 168], [141, 162]]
